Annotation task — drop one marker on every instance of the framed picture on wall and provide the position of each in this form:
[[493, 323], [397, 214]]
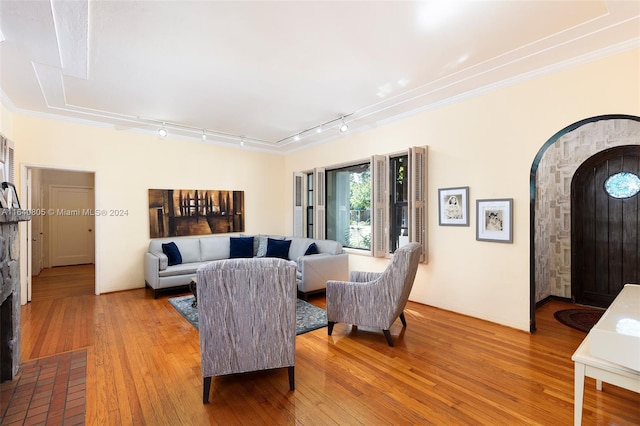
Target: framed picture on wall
[[453, 206], [494, 220]]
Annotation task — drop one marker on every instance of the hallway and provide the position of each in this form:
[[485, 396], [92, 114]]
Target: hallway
[[63, 281]]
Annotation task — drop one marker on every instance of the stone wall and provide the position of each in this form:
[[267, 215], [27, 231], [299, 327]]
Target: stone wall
[[10, 276], [553, 198]]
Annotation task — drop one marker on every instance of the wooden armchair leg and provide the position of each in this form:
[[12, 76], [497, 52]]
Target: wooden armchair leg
[[206, 389], [402, 318], [330, 325], [387, 334], [292, 378]]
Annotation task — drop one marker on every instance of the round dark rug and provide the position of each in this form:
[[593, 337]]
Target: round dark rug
[[580, 319]]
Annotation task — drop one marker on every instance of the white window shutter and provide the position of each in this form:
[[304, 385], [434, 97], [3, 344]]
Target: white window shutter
[[418, 198], [379, 205], [319, 194], [298, 208], [11, 170]]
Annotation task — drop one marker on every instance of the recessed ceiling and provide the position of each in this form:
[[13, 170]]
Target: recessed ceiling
[[265, 72]]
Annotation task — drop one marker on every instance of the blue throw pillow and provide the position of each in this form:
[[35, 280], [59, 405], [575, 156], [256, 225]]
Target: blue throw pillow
[[172, 252], [312, 249], [278, 248], [240, 247]]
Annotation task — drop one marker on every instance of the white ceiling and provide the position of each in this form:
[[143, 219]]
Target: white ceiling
[[266, 71]]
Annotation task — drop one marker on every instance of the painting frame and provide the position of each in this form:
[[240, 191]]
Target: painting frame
[[453, 206], [494, 220], [191, 212]]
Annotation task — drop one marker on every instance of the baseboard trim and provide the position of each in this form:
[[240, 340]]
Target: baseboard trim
[[550, 298]]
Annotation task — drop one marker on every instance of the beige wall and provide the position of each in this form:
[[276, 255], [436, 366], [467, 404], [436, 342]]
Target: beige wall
[[487, 143], [127, 164]]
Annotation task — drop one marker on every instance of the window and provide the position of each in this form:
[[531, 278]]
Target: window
[[310, 205], [622, 185], [348, 208], [398, 202], [378, 205]]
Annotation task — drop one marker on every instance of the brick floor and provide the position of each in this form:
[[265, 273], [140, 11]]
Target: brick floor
[[47, 391]]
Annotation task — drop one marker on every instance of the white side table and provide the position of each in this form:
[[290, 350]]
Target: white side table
[[587, 365], [611, 351]]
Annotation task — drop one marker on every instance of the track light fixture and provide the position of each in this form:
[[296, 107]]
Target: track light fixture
[[182, 129], [343, 126]]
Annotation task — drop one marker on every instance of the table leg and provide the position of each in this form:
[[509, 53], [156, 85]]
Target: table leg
[[193, 286], [578, 391]]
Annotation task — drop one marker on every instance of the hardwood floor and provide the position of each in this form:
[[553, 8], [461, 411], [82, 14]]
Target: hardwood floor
[[143, 367], [63, 281]]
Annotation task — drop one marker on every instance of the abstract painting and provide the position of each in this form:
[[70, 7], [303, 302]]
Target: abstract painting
[[183, 212]]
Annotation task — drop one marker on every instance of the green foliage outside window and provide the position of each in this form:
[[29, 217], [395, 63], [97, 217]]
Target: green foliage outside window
[[360, 206]]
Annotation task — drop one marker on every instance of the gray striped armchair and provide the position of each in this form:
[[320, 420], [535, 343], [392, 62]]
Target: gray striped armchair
[[375, 299], [247, 317]]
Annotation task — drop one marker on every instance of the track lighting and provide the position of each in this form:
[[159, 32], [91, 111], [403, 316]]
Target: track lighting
[[179, 129], [344, 126]]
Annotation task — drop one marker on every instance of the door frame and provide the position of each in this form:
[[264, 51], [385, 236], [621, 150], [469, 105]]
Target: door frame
[[26, 239], [532, 202]]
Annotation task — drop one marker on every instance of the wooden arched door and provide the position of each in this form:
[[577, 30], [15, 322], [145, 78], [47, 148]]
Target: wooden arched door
[[605, 228]]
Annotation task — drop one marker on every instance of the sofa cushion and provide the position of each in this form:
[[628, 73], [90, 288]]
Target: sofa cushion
[[182, 269], [189, 249], [299, 247], [262, 244], [173, 253], [278, 248], [214, 248], [240, 247], [329, 246], [312, 249]]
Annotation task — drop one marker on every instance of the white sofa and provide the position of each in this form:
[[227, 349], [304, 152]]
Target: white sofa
[[313, 272]]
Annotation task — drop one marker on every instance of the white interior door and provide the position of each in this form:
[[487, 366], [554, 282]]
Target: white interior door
[[71, 225]]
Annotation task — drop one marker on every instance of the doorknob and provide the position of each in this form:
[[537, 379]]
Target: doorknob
[[89, 230]]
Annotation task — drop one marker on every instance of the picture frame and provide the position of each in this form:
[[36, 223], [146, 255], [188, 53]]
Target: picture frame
[[10, 195], [494, 220], [453, 206]]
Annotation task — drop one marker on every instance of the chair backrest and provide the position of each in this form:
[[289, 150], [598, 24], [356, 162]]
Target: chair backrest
[[246, 315], [400, 275]]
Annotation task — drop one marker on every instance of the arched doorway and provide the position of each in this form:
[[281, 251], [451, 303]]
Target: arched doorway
[[552, 172], [605, 215]]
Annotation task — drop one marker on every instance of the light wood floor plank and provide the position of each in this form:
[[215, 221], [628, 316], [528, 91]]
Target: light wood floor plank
[[144, 367]]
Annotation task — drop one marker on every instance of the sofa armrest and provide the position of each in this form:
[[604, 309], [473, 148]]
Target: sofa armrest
[[152, 265], [317, 269]]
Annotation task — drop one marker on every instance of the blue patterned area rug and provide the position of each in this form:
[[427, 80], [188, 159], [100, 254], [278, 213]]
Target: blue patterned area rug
[[308, 317]]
